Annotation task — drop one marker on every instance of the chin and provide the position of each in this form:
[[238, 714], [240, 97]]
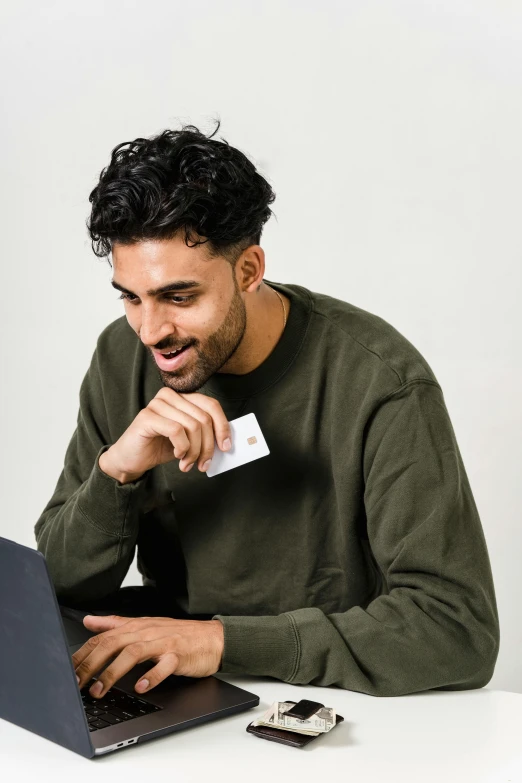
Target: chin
[[180, 384]]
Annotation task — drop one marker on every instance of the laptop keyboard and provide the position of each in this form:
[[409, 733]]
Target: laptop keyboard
[[116, 706]]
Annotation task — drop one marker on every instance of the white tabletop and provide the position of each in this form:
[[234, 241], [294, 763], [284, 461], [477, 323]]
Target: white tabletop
[[439, 737]]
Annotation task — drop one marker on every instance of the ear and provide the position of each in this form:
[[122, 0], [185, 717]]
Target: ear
[[251, 269]]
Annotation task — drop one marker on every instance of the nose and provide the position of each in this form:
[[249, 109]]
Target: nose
[[154, 327]]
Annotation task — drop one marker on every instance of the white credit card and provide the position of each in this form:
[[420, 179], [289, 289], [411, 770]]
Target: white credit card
[[248, 444]]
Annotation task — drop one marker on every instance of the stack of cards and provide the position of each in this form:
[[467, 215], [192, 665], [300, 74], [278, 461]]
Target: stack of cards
[[320, 722]]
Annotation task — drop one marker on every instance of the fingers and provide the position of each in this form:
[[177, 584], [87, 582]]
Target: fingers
[[125, 650], [147, 627], [177, 430], [206, 411], [138, 652], [96, 652], [207, 432], [167, 665], [79, 656], [190, 648], [220, 422], [104, 622], [199, 430], [110, 625], [193, 402]]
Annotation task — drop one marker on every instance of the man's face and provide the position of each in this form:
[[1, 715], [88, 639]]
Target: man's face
[[209, 316]]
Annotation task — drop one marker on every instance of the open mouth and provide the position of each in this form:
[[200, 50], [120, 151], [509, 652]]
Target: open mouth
[[171, 360], [174, 353]]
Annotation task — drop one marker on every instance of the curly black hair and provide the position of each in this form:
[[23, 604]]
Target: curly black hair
[[180, 180]]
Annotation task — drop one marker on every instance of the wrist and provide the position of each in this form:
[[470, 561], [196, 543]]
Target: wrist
[[219, 636], [109, 469]]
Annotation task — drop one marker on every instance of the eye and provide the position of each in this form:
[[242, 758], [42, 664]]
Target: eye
[[180, 299], [173, 299]]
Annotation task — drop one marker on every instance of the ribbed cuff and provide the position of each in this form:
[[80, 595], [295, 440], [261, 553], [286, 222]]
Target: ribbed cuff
[[107, 503], [266, 645]]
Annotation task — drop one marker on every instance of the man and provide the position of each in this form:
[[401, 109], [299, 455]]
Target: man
[[352, 555]]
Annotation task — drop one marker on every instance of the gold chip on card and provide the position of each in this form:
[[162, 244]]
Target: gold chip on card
[[252, 440]]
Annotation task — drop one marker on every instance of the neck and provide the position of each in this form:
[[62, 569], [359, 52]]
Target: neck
[[263, 330]]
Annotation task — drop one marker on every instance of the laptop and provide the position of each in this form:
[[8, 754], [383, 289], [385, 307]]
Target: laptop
[[38, 686]]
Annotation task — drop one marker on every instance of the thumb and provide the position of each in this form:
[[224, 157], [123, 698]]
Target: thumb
[[104, 622]]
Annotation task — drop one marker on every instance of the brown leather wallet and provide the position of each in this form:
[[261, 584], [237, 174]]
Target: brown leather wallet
[[283, 735]]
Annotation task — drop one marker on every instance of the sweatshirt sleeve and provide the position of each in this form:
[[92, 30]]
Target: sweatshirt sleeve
[[435, 623], [88, 529]]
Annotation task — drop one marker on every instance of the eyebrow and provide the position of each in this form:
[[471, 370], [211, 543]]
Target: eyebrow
[[177, 285]]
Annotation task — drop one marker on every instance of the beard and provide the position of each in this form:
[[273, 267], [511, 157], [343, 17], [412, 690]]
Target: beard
[[213, 353]]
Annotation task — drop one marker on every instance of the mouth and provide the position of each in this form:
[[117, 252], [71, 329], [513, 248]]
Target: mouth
[[173, 359]]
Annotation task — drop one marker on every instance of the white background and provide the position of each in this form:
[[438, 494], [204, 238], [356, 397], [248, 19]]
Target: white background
[[391, 133]]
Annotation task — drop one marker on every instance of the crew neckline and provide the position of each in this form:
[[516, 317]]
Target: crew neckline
[[234, 387]]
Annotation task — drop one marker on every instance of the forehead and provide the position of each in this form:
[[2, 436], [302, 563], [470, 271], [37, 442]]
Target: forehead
[[153, 262], [159, 253]]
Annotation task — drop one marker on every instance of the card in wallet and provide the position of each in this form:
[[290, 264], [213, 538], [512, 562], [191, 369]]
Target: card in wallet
[[284, 735]]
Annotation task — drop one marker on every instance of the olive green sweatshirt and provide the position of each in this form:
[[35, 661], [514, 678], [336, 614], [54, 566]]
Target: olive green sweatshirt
[[352, 555]]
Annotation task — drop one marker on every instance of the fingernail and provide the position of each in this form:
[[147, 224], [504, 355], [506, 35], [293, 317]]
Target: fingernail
[[96, 688], [142, 685], [206, 465], [227, 443], [189, 467], [78, 679]]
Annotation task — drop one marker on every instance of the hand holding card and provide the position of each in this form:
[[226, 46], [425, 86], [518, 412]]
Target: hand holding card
[[248, 444]]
